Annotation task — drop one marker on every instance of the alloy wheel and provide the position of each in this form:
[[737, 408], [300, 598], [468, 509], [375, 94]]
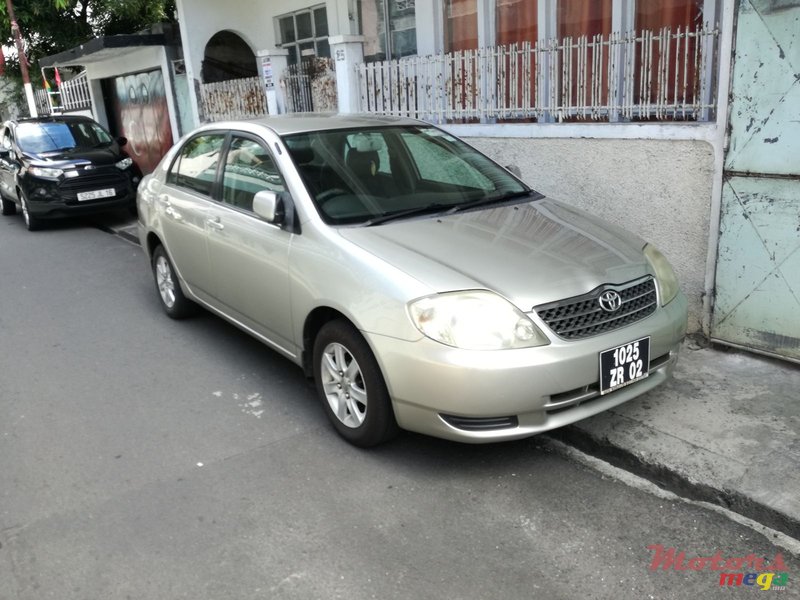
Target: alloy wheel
[[343, 385], [166, 285]]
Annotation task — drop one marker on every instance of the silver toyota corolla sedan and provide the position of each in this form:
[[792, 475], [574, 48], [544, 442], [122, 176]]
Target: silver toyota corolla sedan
[[419, 283]]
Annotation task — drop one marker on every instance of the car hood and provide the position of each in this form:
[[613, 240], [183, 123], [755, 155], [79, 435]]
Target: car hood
[[530, 253], [96, 156]]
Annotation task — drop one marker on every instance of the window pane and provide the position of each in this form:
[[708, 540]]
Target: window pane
[[373, 27], [249, 169], [655, 14], [439, 164], [581, 17], [304, 30], [460, 25], [286, 25], [320, 23], [404, 43], [307, 49], [516, 22], [198, 163], [403, 27], [323, 49]]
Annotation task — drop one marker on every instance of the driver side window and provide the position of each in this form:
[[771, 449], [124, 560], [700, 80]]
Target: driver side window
[[249, 169]]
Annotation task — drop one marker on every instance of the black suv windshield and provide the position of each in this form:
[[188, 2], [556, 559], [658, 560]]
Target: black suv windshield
[[375, 175], [53, 136]]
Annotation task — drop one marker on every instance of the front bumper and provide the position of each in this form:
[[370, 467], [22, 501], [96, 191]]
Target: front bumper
[[48, 199], [485, 396]]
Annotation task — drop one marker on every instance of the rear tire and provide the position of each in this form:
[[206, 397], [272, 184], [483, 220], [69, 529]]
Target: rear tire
[[351, 387], [174, 303]]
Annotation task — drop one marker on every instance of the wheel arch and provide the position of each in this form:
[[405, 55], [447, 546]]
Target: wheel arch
[[315, 320], [152, 242]]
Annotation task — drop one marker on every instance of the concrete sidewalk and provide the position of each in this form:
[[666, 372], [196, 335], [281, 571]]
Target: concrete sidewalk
[[724, 430]]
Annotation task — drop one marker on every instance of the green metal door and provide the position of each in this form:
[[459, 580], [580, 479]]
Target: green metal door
[[757, 301]]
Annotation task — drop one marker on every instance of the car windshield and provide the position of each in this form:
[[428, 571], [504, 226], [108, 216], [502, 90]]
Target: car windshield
[[55, 136], [371, 176]]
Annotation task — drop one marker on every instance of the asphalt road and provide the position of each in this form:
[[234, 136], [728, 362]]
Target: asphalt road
[[144, 458]]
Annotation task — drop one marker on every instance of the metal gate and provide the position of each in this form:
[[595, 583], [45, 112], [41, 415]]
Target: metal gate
[[757, 304]]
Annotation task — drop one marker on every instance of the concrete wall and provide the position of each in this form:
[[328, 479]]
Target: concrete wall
[[659, 189]]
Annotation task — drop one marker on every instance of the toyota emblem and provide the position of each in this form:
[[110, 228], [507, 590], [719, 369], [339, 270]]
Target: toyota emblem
[[610, 301]]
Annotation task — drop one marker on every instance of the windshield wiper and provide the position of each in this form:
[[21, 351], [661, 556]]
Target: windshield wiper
[[434, 207], [491, 200]]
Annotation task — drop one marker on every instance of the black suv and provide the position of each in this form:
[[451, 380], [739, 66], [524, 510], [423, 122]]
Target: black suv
[[60, 166]]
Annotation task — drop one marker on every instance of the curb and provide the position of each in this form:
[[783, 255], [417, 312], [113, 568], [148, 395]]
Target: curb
[[669, 479]]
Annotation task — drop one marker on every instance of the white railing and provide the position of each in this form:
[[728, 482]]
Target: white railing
[[71, 95], [41, 101], [75, 93], [663, 75], [233, 99]]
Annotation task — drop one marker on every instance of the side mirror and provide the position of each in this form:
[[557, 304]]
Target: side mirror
[[265, 205], [514, 170]]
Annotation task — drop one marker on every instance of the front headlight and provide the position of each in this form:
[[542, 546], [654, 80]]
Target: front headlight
[[45, 172], [124, 164], [474, 320], [665, 277]]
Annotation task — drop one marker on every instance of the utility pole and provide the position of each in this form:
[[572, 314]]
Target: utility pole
[[23, 62]]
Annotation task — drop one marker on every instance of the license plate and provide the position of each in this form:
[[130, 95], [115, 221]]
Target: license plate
[[95, 194], [624, 365]]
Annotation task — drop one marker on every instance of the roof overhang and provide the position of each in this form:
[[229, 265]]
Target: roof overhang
[[103, 49]]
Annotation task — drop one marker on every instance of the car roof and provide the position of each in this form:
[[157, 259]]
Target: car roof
[[305, 122], [50, 119]]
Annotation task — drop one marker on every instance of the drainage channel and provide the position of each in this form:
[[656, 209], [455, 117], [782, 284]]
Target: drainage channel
[[127, 232]]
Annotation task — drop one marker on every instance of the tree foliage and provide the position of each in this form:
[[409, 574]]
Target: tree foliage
[[53, 26]]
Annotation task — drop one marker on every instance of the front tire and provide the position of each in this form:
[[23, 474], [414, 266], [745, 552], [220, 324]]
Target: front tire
[[351, 387], [174, 303], [9, 208], [31, 222]]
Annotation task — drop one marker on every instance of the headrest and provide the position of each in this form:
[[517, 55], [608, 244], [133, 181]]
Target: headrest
[[363, 164]]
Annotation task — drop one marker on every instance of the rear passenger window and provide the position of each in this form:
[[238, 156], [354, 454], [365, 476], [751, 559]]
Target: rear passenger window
[[196, 164]]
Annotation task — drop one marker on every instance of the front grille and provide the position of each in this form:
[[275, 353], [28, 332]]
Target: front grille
[[96, 179], [581, 316]]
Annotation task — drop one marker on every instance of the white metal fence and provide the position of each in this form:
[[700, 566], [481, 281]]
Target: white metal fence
[[41, 101], [661, 75], [75, 93], [233, 99], [310, 86], [71, 95]]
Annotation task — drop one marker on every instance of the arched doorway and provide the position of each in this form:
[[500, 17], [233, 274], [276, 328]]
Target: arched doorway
[[227, 56]]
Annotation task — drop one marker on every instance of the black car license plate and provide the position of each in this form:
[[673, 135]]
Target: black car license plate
[[624, 365]]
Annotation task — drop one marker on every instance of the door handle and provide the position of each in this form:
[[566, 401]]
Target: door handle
[[171, 212], [215, 223]]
